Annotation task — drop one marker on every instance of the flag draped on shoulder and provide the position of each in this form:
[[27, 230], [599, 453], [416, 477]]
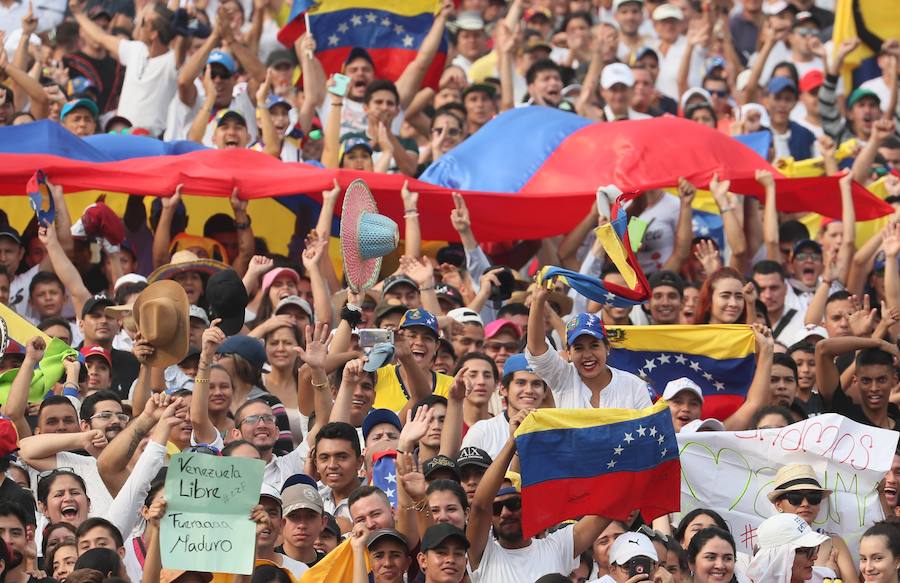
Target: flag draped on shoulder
[[606, 462], [720, 358], [335, 567], [391, 31]]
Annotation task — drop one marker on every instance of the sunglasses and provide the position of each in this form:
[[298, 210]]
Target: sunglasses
[[254, 419], [513, 504], [718, 92], [797, 498], [808, 552], [808, 256], [219, 73], [806, 31]]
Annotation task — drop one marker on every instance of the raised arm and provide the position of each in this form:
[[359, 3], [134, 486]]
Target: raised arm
[[481, 511], [193, 66], [506, 47], [451, 434], [17, 400], [39, 100], [770, 216], [891, 271], [827, 374], [313, 256], [198, 127], [353, 373], [462, 222], [861, 171], [64, 268], [314, 356], [698, 34], [684, 231], [112, 463], [412, 235], [313, 75], [848, 222], [246, 242], [734, 235], [815, 312], [759, 394], [92, 30], [162, 237], [422, 273], [537, 341], [39, 451], [411, 78], [204, 430], [331, 147], [833, 121]]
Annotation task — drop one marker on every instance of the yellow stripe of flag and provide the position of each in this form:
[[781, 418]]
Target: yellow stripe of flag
[[398, 7], [615, 250], [718, 341], [550, 419]]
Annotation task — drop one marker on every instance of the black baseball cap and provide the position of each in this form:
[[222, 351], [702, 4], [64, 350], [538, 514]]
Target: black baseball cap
[[449, 293], [387, 308], [440, 462], [480, 88], [665, 277], [332, 526], [9, 232], [807, 244], [473, 456], [383, 533], [438, 533], [359, 53], [98, 301], [398, 279], [452, 254]]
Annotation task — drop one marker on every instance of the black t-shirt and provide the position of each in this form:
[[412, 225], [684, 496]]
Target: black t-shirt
[[841, 403], [815, 405], [125, 371], [106, 75], [14, 493]]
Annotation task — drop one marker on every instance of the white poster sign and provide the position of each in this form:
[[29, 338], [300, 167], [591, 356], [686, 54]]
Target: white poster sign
[[732, 472]]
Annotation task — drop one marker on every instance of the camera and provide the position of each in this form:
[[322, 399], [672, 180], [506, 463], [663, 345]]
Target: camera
[[369, 337]]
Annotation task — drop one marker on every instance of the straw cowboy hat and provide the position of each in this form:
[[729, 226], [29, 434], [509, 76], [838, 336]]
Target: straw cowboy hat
[[794, 477], [161, 315], [183, 261]]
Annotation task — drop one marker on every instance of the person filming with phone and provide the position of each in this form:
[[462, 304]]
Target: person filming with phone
[[633, 559]]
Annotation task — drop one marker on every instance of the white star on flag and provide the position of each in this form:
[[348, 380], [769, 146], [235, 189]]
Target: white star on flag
[[628, 438], [611, 464], [385, 21], [663, 452], [618, 449], [389, 492], [371, 17], [649, 365], [610, 297], [664, 359], [707, 376], [333, 40], [408, 41], [653, 432], [392, 478], [356, 20], [641, 430], [720, 386], [695, 365], [680, 359], [398, 28], [661, 439], [342, 27]]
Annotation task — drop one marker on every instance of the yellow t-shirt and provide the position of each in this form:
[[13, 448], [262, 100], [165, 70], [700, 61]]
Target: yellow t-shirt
[[391, 394]]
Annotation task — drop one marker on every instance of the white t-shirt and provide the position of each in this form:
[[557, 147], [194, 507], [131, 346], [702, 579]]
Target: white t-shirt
[[280, 468], [353, 117], [294, 566], [488, 434], [624, 391], [667, 82], [181, 116], [86, 467], [553, 554], [880, 88], [659, 239], [149, 85], [19, 296]]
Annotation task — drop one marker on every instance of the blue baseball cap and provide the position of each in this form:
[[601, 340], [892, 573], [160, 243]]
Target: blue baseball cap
[[299, 479], [250, 349], [377, 417], [778, 84], [218, 57], [714, 63], [516, 363], [272, 100], [590, 324], [419, 317], [83, 102], [355, 140]]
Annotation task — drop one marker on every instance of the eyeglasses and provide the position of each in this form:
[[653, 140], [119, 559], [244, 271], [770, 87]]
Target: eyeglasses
[[808, 257], [808, 552], [806, 31], [452, 132], [220, 74], [718, 92], [56, 471], [797, 498], [513, 504], [108, 415], [498, 346], [267, 419]]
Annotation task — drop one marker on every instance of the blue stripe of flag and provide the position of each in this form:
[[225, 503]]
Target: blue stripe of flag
[[371, 29], [298, 7], [627, 446], [729, 376]]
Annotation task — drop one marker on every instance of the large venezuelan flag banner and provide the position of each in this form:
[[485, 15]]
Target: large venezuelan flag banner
[[390, 30], [336, 567], [720, 358], [605, 462]]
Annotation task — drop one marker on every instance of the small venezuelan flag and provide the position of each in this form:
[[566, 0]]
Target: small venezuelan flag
[[605, 462], [390, 30], [720, 358]]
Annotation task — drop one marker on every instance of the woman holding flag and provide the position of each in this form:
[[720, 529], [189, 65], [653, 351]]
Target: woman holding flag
[[585, 380]]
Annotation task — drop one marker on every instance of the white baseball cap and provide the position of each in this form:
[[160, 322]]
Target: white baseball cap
[[615, 74], [630, 545], [466, 316], [698, 425], [788, 529], [772, 8], [664, 11], [469, 20], [129, 278], [682, 384], [199, 313], [617, 3]]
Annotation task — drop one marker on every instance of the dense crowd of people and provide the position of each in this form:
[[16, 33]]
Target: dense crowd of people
[[209, 342]]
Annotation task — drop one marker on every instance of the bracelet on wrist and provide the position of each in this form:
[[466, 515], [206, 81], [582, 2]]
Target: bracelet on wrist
[[429, 288]]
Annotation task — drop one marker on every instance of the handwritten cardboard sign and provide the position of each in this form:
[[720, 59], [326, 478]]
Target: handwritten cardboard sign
[[207, 525], [732, 472]]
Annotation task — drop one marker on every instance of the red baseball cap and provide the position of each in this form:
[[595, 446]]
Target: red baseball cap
[[96, 350], [9, 437], [496, 326], [813, 79]]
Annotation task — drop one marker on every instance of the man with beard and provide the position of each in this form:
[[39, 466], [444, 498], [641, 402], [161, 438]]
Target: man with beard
[[505, 557], [15, 538], [783, 380], [806, 266]]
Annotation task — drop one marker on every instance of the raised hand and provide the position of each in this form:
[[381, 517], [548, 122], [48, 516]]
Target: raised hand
[[765, 178], [410, 199], [314, 253], [171, 202], [416, 426], [262, 94], [419, 270], [34, 349], [333, 194], [409, 478], [237, 204], [687, 191], [259, 265], [212, 338], [890, 241], [142, 350], [764, 338], [707, 254], [862, 320], [317, 341], [461, 385], [459, 216]]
